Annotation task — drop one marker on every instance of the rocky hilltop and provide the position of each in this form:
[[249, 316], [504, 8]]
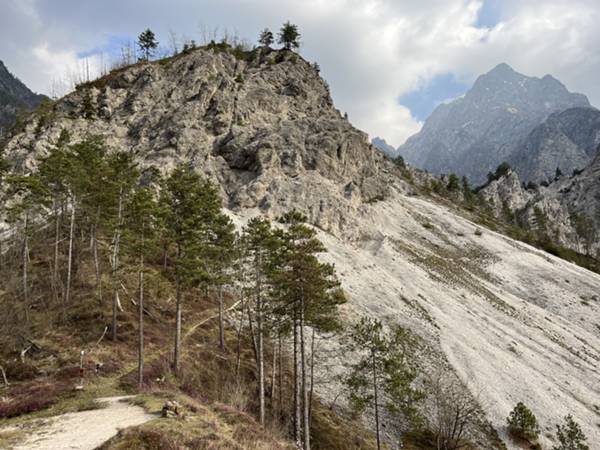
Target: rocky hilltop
[[263, 124], [14, 97], [514, 323], [472, 135]]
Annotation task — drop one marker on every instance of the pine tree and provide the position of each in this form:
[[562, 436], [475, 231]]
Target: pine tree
[[85, 170], [53, 171], [140, 230], [260, 244], [289, 36], [309, 293], [570, 436], [122, 174], [27, 196], [189, 207], [382, 368], [266, 38], [147, 43], [220, 255], [523, 423], [453, 183]]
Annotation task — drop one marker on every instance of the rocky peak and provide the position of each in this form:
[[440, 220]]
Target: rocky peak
[[474, 134], [262, 123]]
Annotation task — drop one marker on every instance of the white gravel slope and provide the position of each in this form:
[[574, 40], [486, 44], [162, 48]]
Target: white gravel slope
[[516, 323]]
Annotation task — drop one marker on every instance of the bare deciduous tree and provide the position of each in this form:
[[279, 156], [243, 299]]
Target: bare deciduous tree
[[453, 410]]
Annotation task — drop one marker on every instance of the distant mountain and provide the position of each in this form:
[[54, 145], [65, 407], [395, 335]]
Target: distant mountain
[[386, 148], [14, 97], [567, 140], [473, 134]]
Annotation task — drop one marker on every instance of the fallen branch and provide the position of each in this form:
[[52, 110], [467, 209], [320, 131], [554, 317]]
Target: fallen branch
[[23, 352], [199, 324], [4, 376], [101, 337]]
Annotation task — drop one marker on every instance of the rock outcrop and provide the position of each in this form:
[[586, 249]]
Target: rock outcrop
[[386, 148], [472, 135], [567, 141], [263, 124], [570, 206]]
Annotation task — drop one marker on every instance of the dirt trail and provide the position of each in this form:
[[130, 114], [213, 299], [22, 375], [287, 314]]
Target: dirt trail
[[85, 430]]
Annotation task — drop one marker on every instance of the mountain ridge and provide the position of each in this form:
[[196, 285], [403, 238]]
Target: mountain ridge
[[472, 135], [14, 97]]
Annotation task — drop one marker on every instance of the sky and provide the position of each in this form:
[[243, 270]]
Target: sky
[[389, 63]]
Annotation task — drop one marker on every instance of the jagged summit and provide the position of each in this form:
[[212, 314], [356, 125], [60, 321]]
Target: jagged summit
[[472, 135]]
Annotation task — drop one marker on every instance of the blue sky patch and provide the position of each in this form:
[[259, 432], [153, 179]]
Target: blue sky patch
[[490, 14], [111, 46], [425, 99]]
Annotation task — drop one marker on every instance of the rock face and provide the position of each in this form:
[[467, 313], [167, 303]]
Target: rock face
[[507, 318], [570, 204], [472, 135], [14, 96], [386, 148], [263, 125], [567, 140], [507, 192]]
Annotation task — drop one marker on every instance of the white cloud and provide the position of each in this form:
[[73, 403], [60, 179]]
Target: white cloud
[[370, 51]]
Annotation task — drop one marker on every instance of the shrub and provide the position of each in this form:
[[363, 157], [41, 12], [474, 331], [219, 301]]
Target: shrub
[[399, 161], [502, 170], [570, 436], [522, 423], [453, 182]]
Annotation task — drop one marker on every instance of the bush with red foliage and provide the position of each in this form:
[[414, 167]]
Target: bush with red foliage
[[34, 396]]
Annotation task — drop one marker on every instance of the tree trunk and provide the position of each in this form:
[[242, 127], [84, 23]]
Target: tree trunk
[[273, 375], [177, 315], [70, 257], [376, 400], [115, 268], [141, 323], [261, 356], [280, 374], [238, 360], [297, 405], [221, 324], [96, 262], [55, 280], [305, 411], [4, 379], [312, 374], [26, 266]]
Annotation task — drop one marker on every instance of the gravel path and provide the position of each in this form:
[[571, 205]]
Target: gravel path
[[85, 430]]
